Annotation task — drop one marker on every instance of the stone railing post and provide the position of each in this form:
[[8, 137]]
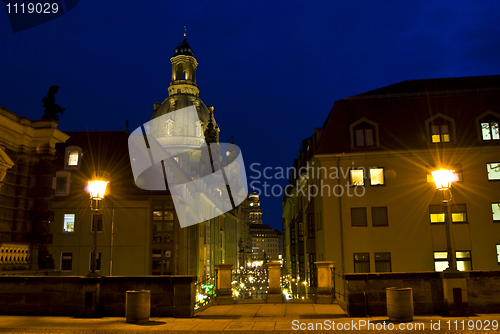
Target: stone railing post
[[223, 288], [324, 292], [274, 294], [184, 296]]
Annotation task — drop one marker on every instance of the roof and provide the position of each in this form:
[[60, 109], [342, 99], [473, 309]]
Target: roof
[[435, 85], [262, 227], [401, 111], [183, 49]]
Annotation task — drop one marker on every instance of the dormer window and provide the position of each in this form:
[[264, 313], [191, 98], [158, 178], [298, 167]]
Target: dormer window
[[364, 137], [364, 134], [440, 129], [488, 126], [72, 157], [489, 131], [440, 133]]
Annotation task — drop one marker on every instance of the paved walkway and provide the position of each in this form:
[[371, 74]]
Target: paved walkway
[[247, 317]]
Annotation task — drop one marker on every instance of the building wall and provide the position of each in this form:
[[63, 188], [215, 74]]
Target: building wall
[[130, 253]]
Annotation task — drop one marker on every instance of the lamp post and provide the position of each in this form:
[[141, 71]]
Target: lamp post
[[97, 190], [443, 179]]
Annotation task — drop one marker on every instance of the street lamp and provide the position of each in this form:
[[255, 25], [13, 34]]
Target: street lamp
[[443, 179], [97, 190]]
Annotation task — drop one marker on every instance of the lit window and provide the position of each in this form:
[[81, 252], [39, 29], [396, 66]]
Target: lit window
[[69, 223], [436, 213], [498, 253], [66, 261], [357, 177], [458, 213], [440, 133], [489, 131], [463, 260], [493, 171], [98, 261], [383, 262], [377, 176], [96, 219], [73, 158], [358, 217], [379, 216], [495, 210], [361, 262]]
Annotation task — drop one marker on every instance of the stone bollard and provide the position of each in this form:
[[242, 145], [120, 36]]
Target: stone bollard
[[274, 295], [399, 304], [138, 306], [324, 291], [223, 288]]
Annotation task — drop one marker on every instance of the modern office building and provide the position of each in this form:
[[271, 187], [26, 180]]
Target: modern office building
[[371, 205]]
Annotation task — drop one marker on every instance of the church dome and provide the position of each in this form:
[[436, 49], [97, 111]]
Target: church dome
[[180, 101], [183, 49]]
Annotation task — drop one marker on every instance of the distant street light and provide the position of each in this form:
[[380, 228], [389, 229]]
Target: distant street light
[[97, 190], [443, 179]]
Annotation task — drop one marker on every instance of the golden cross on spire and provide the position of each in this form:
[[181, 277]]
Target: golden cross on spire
[[184, 32]]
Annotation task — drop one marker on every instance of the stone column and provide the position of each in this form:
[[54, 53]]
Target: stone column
[[274, 294], [223, 288], [324, 292]]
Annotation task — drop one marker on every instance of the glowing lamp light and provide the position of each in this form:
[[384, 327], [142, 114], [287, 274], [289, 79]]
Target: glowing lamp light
[[97, 189], [443, 178]]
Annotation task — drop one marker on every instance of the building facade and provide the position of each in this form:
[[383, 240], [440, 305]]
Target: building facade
[[371, 203], [138, 232], [27, 152]]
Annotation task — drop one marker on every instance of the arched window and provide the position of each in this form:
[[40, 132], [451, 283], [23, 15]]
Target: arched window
[[169, 127], [199, 129]]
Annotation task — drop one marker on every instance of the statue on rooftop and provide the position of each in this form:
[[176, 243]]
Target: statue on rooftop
[[49, 103]]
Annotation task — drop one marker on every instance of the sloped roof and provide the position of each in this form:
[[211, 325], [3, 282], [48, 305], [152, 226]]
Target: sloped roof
[[400, 110]]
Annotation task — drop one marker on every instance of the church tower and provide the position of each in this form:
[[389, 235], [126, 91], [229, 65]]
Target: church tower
[[183, 93]]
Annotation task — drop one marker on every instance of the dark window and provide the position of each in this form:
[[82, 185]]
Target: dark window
[[301, 232], [310, 225], [358, 217], [163, 222], [364, 135], [361, 262], [383, 262], [379, 216], [66, 261]]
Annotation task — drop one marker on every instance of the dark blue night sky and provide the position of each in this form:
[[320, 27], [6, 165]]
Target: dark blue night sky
[[272, 69]]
